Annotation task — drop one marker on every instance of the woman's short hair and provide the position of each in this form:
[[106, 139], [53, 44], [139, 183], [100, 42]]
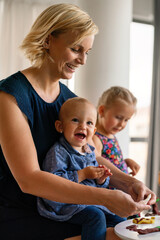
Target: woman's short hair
[[116, 93], [56, 19]]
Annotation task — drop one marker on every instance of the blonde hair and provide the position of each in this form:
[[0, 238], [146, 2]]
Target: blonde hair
[[116, 93], [56, 19], [72, 103]]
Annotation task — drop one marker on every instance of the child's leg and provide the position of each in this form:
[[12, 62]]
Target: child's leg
[[113, 220], [93, 223]]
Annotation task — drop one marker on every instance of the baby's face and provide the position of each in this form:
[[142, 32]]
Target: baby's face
[[79, 124]]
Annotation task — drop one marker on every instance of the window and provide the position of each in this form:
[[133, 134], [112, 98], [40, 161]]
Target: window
[[140, 83]]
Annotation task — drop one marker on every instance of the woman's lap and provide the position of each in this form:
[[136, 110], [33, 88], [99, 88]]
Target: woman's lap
[[35, 227], [17, 225]]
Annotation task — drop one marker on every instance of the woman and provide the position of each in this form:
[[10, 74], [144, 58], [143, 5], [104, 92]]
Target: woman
[[57, 44]]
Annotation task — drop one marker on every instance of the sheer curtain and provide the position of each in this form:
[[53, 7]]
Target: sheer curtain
[[154, 136], [16, 18]]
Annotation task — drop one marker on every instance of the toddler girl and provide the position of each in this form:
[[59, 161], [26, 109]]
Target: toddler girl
[[115, 107]]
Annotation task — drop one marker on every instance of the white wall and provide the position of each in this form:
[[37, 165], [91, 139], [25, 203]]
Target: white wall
[[108, 62]]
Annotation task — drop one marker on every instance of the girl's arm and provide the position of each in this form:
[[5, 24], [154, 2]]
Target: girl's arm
[[98, 145], [134, 166], [21, 156]]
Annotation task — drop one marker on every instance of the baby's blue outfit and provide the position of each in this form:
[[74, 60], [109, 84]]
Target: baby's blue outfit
[[65, 161]]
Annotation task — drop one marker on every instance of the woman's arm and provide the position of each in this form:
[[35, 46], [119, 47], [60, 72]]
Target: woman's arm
[[127, 183], [123, 181]]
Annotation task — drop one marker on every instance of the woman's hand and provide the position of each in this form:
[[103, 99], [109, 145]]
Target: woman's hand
[[123, 204], [139, 192], [128, 184]]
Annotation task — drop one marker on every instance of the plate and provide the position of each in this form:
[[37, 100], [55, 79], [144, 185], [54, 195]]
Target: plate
[[126, 234]]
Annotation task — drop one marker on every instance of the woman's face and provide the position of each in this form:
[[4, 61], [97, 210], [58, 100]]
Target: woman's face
[[68, 57]]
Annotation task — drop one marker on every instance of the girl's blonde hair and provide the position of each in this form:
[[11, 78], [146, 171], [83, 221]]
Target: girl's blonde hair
[[116, 93], [56, 19]]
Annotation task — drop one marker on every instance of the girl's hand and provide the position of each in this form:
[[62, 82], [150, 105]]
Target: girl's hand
[[133, 166]]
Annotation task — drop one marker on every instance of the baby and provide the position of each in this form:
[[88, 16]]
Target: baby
[[73, 158]]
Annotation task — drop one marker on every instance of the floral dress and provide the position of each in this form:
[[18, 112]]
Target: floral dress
[[111, 151]]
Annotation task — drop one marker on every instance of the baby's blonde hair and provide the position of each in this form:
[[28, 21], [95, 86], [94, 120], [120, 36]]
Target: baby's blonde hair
[[56, 19], [116, 93], [73, 103]]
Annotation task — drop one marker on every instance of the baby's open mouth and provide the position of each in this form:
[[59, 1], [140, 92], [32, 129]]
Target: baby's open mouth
[[80, 135]]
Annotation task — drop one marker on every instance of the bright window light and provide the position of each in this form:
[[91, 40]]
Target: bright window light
[[140, 84]]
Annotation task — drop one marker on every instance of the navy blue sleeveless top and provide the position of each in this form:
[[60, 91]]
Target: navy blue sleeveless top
[[41, 117]]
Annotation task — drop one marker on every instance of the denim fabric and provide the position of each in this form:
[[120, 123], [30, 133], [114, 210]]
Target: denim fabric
[[95, 222], [65, 161]]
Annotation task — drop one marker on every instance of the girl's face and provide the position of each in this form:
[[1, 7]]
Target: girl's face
[[78, 125], [68, 57], [115, 118]]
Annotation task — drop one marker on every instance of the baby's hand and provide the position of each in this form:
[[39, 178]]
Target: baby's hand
[[107, 173], [133, 166], [92, 172]]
